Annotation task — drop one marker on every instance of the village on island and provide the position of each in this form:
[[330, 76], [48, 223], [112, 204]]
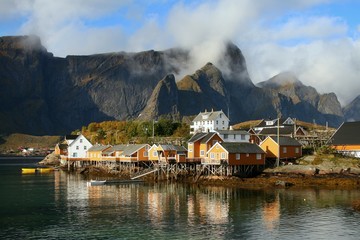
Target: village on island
[[214, 148]]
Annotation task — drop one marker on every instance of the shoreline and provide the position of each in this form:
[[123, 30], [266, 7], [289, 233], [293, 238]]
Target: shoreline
[[262, 181]]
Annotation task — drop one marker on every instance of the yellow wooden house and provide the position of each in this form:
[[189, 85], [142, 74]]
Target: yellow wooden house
[[199, 144], [289, 148]]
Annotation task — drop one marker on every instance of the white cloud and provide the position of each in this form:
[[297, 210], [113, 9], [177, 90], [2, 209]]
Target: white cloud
[[274, 36], [331, 66]]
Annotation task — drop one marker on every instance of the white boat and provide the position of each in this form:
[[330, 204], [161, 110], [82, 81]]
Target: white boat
[[96, 182]]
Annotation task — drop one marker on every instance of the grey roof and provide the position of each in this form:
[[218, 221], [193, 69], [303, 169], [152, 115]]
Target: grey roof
[[98, 147], [173, 147], [347, 134], [238, 132], [286, 141], [208, 116], [197, 137], [132, 148], [242, 147], [281, 122], [286, 130], [208, 137], [71, 137]]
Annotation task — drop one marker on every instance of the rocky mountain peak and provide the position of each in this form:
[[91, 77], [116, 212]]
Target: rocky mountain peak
[[352, 110], [281, 80], [163, 100]]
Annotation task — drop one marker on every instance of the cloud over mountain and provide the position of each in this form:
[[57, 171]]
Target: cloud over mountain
[[274, 36]]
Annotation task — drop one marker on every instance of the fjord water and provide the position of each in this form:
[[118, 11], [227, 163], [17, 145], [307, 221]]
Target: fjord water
[[59, 205]]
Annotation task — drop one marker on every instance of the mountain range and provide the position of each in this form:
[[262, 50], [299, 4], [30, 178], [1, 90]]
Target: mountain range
[[43, 94]]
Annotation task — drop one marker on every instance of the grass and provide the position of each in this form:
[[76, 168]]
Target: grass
[[17, 140]]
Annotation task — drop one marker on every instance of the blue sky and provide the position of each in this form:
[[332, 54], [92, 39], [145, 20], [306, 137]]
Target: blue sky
[[318, 40]]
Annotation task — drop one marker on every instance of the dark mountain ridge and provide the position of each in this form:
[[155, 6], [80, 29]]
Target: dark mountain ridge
[[43, 94]]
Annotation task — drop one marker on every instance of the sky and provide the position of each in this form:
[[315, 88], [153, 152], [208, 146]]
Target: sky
[[317, 40]]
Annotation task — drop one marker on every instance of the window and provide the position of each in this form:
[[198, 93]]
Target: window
[[223, 122], [212, 155], [234, 136], [242, 136], [238, 156], [296, 150], [225, 136], [74, 154], [155, 154], [145, 153], [217, 122], [84, 147], [284, 150], [77, 147], [247, 155], [202, 153], [223, 155], [258, 156], [81, 140]]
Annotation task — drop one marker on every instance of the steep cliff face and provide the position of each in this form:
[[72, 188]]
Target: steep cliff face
[[23, 84], [43, 94], [352, 110], [302, 102], [205, 89], [163, 101]]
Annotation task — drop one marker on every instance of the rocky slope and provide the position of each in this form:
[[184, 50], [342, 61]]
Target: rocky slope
[[43, 94], [352, 111]]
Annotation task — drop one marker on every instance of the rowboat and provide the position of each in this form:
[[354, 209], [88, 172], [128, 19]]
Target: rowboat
[[36, 170], [28, 170], [96, 183]]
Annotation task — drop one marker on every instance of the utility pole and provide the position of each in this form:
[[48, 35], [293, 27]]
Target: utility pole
[[278, 142], [153, 129]]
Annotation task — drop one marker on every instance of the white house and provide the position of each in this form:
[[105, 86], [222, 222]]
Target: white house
[[78, 147], [209, 122], [234, 135]]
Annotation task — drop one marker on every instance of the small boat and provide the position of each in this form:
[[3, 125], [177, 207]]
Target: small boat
[[96, 183], [28, 170], [45, 170], [36, 170]]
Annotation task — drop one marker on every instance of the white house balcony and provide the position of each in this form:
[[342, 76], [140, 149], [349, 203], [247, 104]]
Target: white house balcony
[[207, 161]]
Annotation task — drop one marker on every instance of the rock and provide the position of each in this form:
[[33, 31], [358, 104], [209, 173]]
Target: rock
[[51, 159], [280, 183]]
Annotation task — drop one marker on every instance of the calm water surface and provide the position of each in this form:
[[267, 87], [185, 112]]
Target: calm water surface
[[60, 206]]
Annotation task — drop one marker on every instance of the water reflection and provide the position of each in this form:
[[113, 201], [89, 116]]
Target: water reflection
[[271, 210], [210, 212]]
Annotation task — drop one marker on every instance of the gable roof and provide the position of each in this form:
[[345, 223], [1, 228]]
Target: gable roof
[[71, 137], [209, 116], [286, 141], [78, 137], [237, 132], [274, 124], [196, 137], [208, 137], [173, 147], [242, 147], [98, 147], [347, 134], [131, 149], [286, 130]]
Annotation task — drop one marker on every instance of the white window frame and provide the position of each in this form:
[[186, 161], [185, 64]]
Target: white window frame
[[284, 150], [212, 155], [223, 155], [237, 156], [258, 156], [202, 152]]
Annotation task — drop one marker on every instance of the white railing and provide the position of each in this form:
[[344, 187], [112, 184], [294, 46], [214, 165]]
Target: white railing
[[210, 161]]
